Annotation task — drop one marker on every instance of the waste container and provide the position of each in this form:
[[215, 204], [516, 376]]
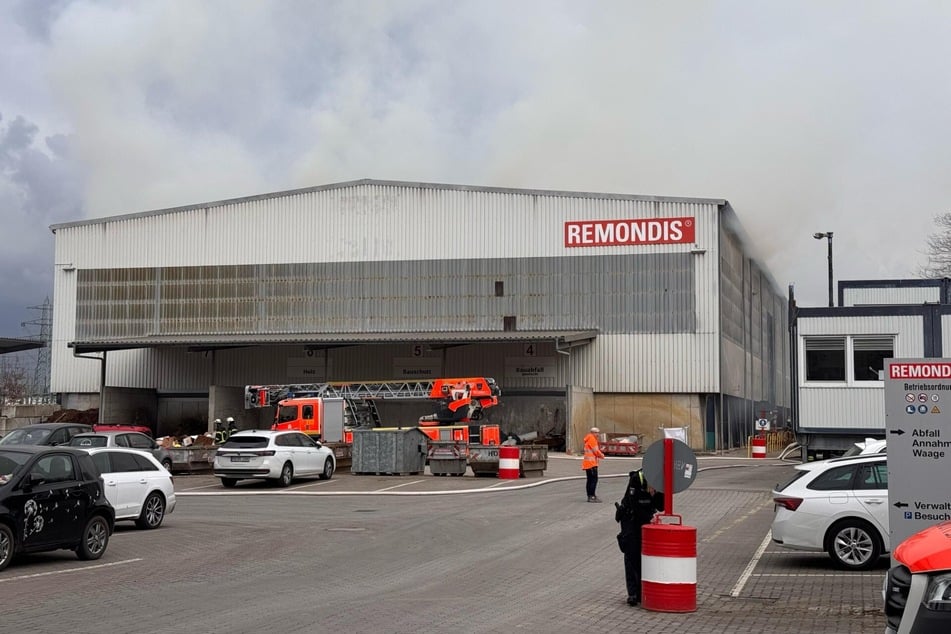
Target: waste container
[[389, 451], [533, 460], [484, 460], [447, 457]]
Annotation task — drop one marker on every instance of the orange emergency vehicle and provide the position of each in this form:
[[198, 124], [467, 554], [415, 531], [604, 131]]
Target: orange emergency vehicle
[[330, 411], [917, 591]]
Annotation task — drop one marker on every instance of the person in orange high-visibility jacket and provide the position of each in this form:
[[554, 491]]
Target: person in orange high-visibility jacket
[[592, 453]]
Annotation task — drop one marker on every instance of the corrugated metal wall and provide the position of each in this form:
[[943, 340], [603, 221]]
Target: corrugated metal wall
[[458, 239], [852, 406], [613, 293], [887, 296], [366, 222]]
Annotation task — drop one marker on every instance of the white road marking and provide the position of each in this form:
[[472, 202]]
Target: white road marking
[[59, 572], [398, 486], [850, 575], [738, 588]]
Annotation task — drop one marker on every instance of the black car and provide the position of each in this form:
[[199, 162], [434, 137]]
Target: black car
[[44, 434], [52, 498]]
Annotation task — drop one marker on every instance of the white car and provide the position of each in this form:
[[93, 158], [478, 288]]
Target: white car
[[280, 456], [136, 484], [871, 445], [839, 506]]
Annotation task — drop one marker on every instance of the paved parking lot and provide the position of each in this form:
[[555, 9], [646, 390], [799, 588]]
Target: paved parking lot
[[402, 554]]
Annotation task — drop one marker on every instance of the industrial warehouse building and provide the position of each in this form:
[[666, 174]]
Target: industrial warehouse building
[[632, 313]]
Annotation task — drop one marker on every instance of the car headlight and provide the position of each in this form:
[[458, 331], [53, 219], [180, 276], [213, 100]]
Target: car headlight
[[938, 594]]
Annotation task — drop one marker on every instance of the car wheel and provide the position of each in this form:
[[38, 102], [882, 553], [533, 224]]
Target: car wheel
[[287, 475], [228, 483], [328, 470], [7, 546], [167, 463], [853, 544], [153, 511], [95, 538]]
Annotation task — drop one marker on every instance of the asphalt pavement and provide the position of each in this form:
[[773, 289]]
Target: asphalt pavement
[[366, 553]]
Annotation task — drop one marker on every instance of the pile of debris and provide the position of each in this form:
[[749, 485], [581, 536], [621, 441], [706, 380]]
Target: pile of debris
[[85, 417], [201, 440]]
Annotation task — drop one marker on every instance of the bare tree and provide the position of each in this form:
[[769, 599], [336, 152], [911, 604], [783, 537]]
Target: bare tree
[[13, 385], [939, 249]]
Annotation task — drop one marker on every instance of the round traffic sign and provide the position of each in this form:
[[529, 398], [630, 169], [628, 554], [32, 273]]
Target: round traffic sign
[[685, 465]]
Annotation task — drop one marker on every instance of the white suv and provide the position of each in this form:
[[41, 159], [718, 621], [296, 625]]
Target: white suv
[[839, 506], [280, 456]]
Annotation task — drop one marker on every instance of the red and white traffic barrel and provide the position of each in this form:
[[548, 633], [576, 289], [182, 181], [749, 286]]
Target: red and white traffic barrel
[[508, 462], [759, 447], [669, 567]]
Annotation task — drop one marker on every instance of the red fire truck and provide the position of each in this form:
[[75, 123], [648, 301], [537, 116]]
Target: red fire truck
[[330, 411]]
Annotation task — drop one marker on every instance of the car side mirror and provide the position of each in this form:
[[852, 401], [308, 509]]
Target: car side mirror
[[31, 480]]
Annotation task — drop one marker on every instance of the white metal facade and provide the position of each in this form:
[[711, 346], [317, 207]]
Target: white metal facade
[[373, 221], [885, 296], [849, 404]]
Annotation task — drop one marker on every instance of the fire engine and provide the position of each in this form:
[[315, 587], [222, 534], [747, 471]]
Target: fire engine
[[917, 590], [330, 411]]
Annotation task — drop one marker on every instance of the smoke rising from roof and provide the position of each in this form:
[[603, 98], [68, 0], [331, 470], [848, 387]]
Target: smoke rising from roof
[[808, 116]]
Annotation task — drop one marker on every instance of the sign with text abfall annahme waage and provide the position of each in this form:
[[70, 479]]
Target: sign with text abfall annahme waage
[[918, 430]]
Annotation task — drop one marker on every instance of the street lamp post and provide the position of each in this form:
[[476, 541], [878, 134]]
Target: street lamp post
[[820, 236]]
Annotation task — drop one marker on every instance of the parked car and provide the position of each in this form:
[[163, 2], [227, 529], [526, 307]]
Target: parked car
[[44, 434], [130, 439], [280, 456], [869, 446], [137, 485], [142, 429], [917, 591], [52, 498], [839, 506]]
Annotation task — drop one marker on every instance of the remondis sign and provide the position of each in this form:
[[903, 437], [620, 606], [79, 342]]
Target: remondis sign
[[613, 233]]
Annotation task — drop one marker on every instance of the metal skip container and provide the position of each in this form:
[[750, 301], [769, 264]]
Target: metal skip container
[[447, 457], [389, 451], [484, 460]]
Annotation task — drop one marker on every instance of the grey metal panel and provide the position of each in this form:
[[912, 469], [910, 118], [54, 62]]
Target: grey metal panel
[[613, 294], [888, 296], [907, 328]]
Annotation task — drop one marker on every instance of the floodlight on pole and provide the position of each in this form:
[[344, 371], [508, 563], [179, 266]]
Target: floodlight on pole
[[819, 236]]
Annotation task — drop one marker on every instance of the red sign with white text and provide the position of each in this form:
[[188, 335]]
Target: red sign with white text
[[920, 370], [616, 233]]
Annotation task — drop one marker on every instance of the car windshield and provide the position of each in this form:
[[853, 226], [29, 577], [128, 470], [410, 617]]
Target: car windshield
[[88, 441], [10, 461], [286, 413], [25, 436], [246, 442]]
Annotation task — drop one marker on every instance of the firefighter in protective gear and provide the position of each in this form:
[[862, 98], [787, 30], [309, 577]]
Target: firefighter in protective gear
[[592, 453], [637, 507]]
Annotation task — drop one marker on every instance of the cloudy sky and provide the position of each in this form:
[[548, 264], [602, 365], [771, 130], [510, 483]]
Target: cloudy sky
[[807, 116]]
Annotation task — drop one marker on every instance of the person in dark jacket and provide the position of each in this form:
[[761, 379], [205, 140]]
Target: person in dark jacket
[[637, 507]]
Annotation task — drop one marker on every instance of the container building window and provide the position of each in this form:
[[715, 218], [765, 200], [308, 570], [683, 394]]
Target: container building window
[[825, 358], [869, 354]]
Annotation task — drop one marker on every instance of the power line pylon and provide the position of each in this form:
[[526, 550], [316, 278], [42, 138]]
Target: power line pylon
[[41, 372]]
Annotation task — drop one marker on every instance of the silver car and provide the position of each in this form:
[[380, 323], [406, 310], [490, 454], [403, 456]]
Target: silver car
[[127, 439], [279, 456]]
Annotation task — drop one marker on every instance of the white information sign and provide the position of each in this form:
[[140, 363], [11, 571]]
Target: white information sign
[[918, 428], [308, 368], [416, 368]]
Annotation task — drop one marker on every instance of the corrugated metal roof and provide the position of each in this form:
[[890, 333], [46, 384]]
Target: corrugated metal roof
[[563, 338], [387, 183], [18, 345]]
